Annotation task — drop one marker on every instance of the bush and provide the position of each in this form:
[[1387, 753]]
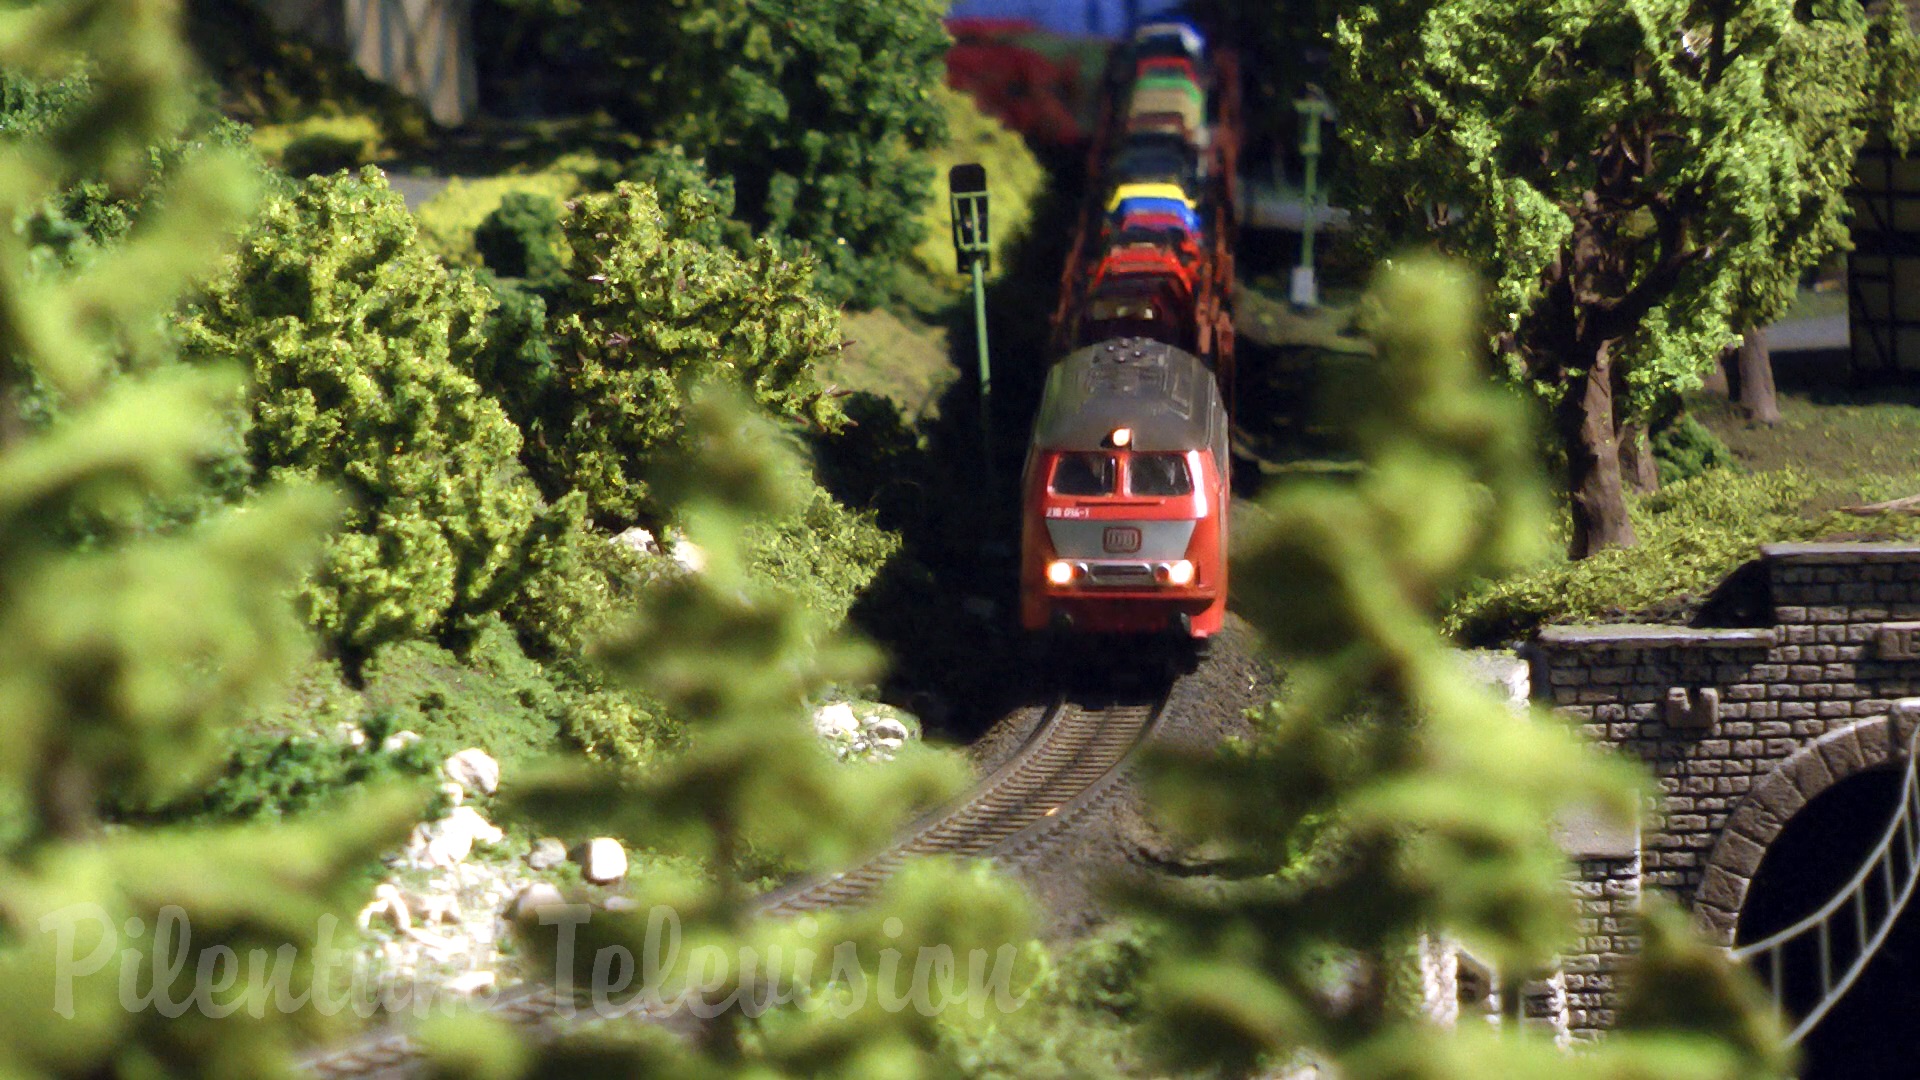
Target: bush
[[449, 220], [825, 556], [272, 775], [1015, 179], [494, 696], [321, 144], [360, 344], [1685, 449], [521, 239], [646, 310]]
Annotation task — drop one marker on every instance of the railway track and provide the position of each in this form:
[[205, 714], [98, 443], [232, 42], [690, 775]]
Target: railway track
[[1071, 762]]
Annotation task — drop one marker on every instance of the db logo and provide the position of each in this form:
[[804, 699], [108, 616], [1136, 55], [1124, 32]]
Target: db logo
[[1122, 540]]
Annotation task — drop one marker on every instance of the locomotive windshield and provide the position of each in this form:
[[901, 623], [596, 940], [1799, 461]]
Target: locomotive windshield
[[1083, 474], [1158, 474]]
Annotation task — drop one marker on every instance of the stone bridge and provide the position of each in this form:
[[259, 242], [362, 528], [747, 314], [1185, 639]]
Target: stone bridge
[[1790, 685]]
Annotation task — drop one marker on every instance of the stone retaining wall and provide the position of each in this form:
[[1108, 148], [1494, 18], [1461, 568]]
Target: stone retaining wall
[[1740, 725]]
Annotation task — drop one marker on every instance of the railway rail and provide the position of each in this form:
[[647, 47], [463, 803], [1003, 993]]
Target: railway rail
[[1073, 761]]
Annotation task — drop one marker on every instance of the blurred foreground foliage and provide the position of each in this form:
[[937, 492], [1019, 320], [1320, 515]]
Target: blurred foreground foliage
[[1424, 805], [130, 653]]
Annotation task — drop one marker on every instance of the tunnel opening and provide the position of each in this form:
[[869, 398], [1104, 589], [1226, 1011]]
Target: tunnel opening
[[1869, 1032]]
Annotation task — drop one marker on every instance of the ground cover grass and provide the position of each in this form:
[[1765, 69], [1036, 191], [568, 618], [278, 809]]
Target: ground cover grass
[[1834, 449]]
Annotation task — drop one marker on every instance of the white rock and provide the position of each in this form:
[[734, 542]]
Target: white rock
[[450, 840], [475, 770], [534, 897], [399, 741], [603, 860], [547, 853], [640, 540], [351, 734], [835, 721], [471, 983], [882, 728], [687, 555], [439, 946], [454, 792], [889, 743], [437, 908], [388, 905]]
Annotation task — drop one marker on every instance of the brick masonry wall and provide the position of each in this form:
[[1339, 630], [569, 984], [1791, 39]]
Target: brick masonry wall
[[1714, 711], [1608, 892]]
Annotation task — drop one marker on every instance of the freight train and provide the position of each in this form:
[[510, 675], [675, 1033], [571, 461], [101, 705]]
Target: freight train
[[1126, 489]]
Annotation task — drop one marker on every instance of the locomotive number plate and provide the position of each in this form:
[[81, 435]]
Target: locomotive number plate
[[1121, 540], [1068, 512]]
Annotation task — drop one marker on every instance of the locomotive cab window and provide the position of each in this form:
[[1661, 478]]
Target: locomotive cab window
[[1158, 474], [1083, 474]]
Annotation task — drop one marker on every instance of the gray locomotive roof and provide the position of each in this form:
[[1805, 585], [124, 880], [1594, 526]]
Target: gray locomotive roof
[[1166, 395]]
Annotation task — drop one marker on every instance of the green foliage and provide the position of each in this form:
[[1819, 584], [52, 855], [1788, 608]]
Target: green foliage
[[1684, 449], [283, 776], [321, 144], [1015, 179], [825, 555], [360, 344], [821, 112], [676, 178], [1692, 535], [739, 661], [494, 696], [644, 310], [127, 657], [449, 219], [1439, 802], [521, 239]]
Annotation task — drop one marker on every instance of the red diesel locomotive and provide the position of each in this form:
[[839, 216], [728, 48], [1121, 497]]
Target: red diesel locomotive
[[1125, 495]]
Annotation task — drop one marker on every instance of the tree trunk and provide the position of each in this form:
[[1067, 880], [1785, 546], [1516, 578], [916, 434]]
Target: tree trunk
[[1585, 420], [1756, 380], [1717, 379], [1637, 466]]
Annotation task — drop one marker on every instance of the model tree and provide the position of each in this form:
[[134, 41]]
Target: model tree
[[820, 110], [1640, 182]]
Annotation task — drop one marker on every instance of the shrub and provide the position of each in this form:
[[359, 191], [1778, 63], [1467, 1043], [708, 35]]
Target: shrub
[[521, 238], [825, 556], [321, 144], [1685, 449], [449, 219], [360, 344], [645, 311]]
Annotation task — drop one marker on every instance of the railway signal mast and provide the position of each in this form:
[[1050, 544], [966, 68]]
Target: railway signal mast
[[967, 192]]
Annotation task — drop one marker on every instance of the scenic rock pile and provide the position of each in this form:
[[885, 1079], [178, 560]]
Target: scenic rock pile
[[435, 925], [864, 730]]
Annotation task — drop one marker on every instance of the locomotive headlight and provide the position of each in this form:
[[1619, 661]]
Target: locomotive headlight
[[1180, 573], [1121, 438], [1060, 572]]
